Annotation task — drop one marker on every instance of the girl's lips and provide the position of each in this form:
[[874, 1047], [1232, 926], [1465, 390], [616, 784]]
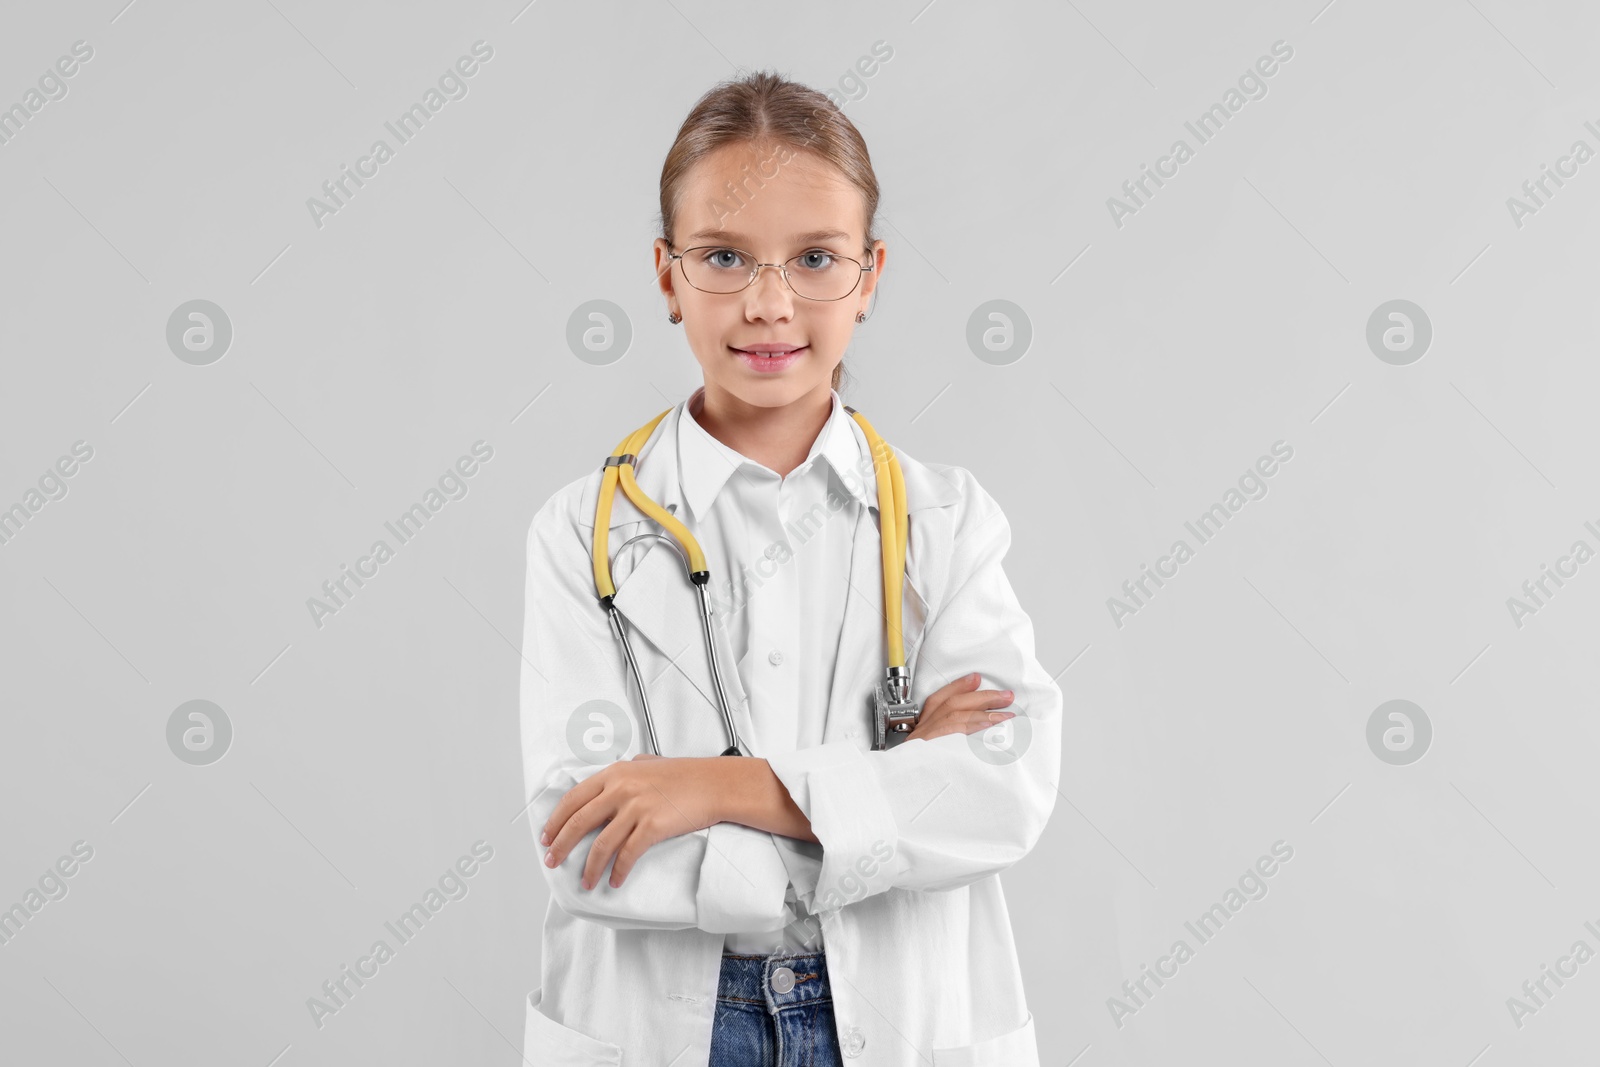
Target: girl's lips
[[770, 364]]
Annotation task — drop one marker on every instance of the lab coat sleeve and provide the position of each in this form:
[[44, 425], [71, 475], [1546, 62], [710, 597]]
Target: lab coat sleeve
[[940, 814], [723, 879]]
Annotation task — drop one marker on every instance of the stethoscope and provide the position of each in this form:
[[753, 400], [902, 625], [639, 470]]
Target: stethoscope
[[893, 709]]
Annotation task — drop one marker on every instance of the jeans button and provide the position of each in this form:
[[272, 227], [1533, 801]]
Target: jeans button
[[854, 1042], [782, 980]]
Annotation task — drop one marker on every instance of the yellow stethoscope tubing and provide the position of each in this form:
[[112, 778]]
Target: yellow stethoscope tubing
[[623, 472], [893, 523]]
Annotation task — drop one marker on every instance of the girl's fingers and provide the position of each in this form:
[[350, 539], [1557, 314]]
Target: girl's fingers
[[601, 852], [973, 721], [965, 684], [962, 693], [573, 830], [622, 803], [962, 708], [990, 698], [627, 856], [575, 798], [983, 700]]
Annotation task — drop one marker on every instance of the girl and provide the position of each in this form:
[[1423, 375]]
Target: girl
[[810, 898]]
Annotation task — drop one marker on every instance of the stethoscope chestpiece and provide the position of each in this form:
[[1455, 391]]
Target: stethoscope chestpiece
[[893, 710]]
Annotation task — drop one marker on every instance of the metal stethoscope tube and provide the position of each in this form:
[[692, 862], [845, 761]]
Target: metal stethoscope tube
[[618, 626]]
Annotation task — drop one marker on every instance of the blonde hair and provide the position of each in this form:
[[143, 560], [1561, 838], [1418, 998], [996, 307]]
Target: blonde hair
[[765, 108]]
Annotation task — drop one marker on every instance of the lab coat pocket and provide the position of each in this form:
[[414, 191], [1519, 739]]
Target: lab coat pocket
[[547, 1043], [1019, 1048]]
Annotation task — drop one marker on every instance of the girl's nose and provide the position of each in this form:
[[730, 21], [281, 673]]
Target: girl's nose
[[774, 294]]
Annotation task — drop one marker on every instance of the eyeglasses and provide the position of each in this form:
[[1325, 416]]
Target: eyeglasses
[[814, 275]]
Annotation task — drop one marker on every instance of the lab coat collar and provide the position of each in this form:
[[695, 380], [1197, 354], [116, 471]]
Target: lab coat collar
[[660, 480], [706, 464]]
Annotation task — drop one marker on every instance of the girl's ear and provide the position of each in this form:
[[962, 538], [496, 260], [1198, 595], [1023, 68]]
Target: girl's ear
[[664, 279], [663, 268], [869, 281]]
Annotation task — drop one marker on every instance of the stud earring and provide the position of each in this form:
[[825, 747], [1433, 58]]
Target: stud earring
[[861, 316], [674, 318]]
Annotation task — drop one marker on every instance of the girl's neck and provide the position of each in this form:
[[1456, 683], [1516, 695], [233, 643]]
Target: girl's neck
[[777, 438]]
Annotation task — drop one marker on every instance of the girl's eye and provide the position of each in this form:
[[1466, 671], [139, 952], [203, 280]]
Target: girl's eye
[[723, 259], [815, 260]]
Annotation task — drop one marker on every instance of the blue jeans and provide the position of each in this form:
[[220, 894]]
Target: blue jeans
[[774, 1011]]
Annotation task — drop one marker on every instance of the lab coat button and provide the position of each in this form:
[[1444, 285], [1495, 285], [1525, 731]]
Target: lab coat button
[[782, 980], [854, 1042], [775, 657]]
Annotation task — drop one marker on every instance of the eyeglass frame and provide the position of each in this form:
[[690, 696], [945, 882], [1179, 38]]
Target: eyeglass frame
[[783, 272]]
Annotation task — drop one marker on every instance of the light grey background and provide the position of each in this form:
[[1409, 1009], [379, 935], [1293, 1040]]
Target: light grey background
[[1167, 354]]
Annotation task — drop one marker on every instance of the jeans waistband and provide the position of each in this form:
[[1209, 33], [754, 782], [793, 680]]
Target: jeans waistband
[[762, 979]]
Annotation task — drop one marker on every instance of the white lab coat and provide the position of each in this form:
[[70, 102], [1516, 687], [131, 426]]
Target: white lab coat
[[905, 881]]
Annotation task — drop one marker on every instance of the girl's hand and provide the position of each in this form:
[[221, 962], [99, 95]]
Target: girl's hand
[[639, 802], [961, 708]]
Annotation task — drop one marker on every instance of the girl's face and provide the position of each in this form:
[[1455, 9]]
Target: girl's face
[[790, 203]]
